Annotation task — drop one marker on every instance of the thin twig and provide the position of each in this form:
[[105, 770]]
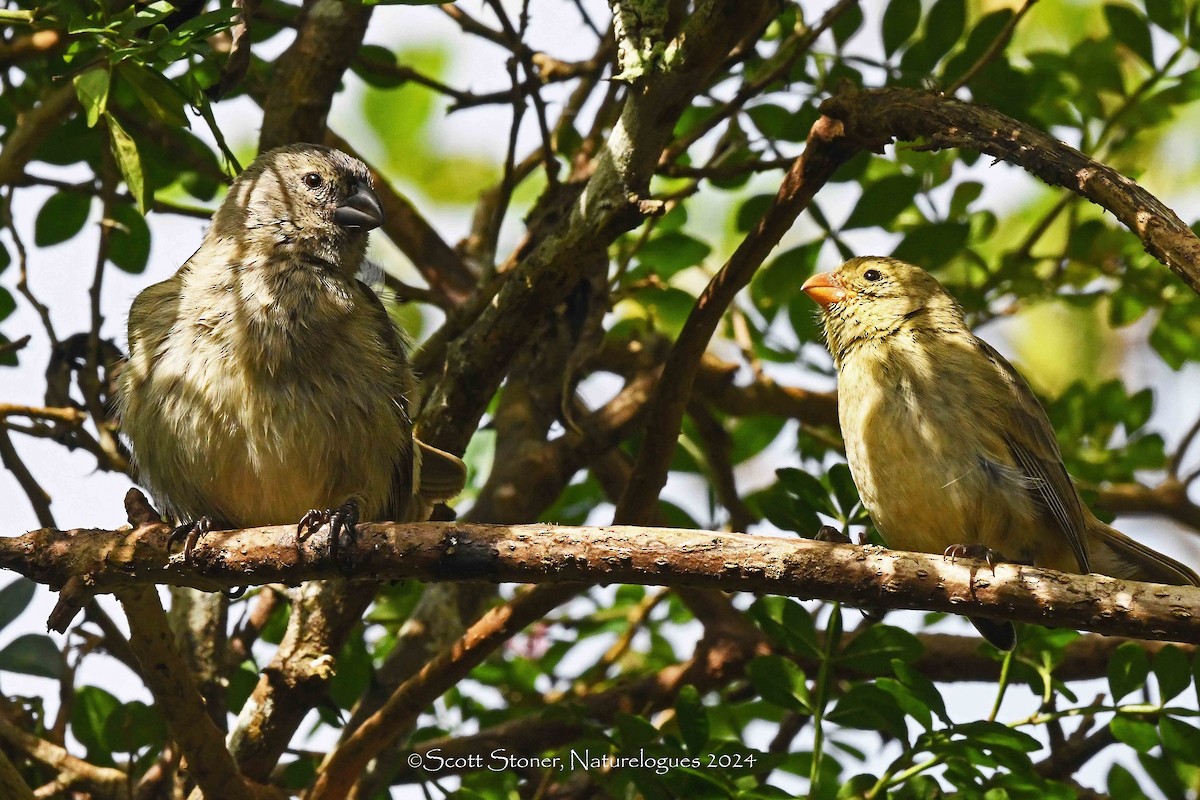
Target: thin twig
[[994, 49]]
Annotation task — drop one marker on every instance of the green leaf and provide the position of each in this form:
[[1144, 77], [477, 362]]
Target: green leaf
[[61, 217], [91, 87], [635, 731], [32, 654], [15, 597], [1127, 670], [692, 718], [779, 682], [1130, 29], [160, 97], [801, 633], [133, 727], [934, 244], [126, 152], [1164, 775], [129, 246], [1121, 783], [777, 123], [751, 211], [842, 483], [1171, 669], [806, 488], [900, 20], [910, 703], [671, 252], [867, 707], [1180, 739], [944, 27], [872, 651], [93, 706], [1167, 14], [995, 735], [1137, 733], [882, 201], [921, 687], [846, 25]]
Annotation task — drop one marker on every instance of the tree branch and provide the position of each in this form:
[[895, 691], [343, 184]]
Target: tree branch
[[942, 122], [438, 551], [828, 148]]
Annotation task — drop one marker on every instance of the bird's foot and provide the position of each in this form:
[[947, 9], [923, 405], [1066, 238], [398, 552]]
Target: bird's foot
[[341, 521], [190, 533], [833, 535], [979, 551]]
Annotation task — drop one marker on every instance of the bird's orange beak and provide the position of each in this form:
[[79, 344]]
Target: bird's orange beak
[[824, 288]]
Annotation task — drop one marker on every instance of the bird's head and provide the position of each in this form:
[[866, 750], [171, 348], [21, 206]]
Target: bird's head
[[302, 200], [872, 297]]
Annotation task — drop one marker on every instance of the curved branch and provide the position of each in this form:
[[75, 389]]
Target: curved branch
[[942, 121], [828, 148], [547, 554]]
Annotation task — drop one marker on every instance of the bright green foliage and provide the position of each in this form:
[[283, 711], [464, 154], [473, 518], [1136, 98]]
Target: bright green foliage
[[642, 692]]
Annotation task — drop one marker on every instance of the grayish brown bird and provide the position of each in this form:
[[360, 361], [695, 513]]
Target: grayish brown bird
[[949, 447], [266, 383]]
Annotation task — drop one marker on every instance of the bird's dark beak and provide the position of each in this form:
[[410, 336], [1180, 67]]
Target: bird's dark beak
[[360, 211], [824, 288]]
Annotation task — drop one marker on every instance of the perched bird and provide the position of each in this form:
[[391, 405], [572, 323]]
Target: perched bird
[[265, 382], [949, 448]]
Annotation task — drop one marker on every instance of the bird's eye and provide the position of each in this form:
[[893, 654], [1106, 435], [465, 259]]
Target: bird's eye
[[872, 274], [312, 180]]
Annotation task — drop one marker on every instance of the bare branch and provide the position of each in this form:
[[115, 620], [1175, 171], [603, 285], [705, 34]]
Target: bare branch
[[828, 148], [884, 114], [440, 551], [103, 783], [177, 696]]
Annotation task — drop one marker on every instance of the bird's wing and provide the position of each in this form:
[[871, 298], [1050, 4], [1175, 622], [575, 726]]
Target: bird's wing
[[153, 314], [1031, 441], [428, 475]]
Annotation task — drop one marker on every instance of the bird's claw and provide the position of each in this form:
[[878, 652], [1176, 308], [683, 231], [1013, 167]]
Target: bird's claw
[[978, 551], [190, 533], [341, 521]]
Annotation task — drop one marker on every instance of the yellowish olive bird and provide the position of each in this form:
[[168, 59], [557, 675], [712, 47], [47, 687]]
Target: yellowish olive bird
[[949, 447]]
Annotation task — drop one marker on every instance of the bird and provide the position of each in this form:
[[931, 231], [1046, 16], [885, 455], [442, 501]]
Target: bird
[[949, 447], [265, 383]]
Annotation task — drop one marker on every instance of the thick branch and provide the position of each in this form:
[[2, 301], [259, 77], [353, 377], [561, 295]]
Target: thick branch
[[177, 696], [477, 360], [827, 149], [945, 122], [306, 76], [103, 783], [871, 576]]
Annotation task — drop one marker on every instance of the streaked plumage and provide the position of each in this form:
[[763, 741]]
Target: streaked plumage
[[946, 442], [264, 379]]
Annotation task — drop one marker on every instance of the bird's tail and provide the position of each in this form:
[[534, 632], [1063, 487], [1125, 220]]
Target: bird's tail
[[1113, 553]]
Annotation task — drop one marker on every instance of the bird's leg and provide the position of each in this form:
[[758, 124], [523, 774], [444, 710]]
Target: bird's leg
[[190, 533], [979, 551], [341, 520]]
